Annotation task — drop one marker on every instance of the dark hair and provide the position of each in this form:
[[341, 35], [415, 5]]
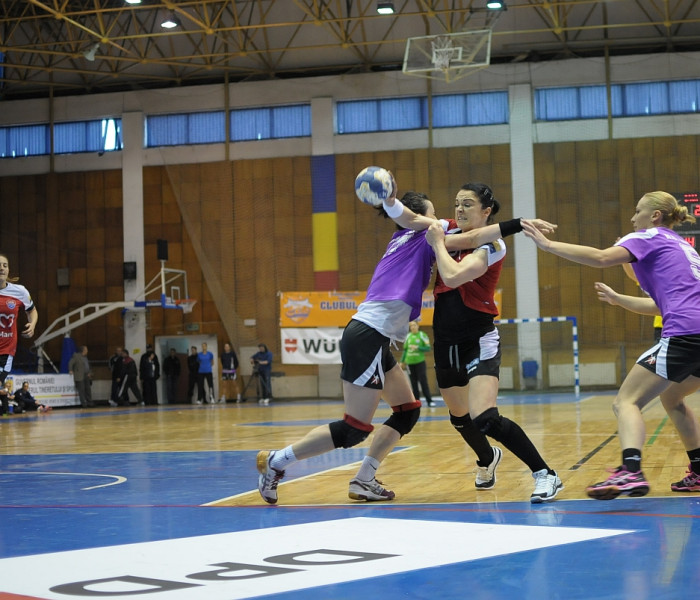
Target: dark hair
[[416, 201], [485, 195], [263, 346]]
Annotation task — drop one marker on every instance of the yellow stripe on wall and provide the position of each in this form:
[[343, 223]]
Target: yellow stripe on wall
[[325, 241]]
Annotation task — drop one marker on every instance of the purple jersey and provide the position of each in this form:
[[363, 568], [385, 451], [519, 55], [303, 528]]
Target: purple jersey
[[668, 269], [404, 271]]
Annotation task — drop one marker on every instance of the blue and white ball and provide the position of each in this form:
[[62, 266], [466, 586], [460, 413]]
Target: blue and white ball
[[373, 185]]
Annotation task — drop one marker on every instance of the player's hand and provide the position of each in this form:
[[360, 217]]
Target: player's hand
[[435, 234], [544, 226], [535, 234], [28, 330], [606, 293], [394, 190]]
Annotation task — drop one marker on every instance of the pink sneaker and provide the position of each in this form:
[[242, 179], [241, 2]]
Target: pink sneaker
[[690, 483], [620, 481]]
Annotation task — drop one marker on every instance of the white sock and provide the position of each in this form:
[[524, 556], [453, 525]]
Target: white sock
[[368, 469], [283, 458]]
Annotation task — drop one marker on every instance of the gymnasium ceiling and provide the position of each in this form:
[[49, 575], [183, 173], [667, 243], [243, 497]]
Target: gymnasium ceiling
[[45, 42]]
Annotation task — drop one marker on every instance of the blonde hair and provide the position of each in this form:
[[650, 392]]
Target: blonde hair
[[672, 213]]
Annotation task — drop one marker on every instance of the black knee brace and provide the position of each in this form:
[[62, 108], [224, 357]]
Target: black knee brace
[[349, 432], [404, 417], [492, 424], [462, 424]]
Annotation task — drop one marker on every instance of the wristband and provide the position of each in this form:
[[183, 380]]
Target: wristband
[[510, 227], [393, 211]]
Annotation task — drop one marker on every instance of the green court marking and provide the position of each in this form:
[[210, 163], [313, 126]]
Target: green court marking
[[654, 435]]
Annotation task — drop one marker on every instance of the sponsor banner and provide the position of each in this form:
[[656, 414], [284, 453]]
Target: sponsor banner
[[52, 389], [311, 346], [332, 309], [275, 560]]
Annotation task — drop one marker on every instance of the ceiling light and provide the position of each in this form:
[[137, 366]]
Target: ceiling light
[[496, 5], [133, 1], [385, 8], [170, 22], [89, 54]]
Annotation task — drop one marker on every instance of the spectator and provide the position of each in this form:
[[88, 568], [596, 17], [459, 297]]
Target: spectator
[[79, 368], [26, 402], [206, 364], [6, 396], [150, 373], [192, 373], [115, 366], [127, 380], [172, 369], [229, 379], [262, 361], [414, 348], [142, 363]]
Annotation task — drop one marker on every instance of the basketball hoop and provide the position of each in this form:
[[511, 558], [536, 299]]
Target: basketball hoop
[[444, 53], [185, 304]]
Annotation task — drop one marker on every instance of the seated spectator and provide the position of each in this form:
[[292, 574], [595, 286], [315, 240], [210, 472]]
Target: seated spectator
[[6, 396], [26, 402]]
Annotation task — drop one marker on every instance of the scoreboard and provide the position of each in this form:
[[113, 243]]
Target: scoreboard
[[690, 231]]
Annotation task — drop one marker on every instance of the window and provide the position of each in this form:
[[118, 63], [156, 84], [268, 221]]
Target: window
[[87, 136], [628, 100], [24, 140], [395, 114], [272, 122], [185, 129]]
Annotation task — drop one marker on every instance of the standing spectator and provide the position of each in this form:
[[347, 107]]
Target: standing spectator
[[262, 360], [143, 365], [206, 364], [229, 380], [127, 380], [12, 298], [172, 369], [115, 366], [27, 402], [192, 373], [414, 348], [79, 368], [150, 373]]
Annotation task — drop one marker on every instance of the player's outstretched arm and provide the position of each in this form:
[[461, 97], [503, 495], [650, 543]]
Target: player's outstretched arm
[[584, 255], [490, 233], [636, 304]]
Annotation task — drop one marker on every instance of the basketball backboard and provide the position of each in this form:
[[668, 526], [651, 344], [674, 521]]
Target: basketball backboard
[[448, 57]]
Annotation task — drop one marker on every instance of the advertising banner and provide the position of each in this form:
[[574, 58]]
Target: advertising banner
[[52, 389], [332, 309], [311, 346]]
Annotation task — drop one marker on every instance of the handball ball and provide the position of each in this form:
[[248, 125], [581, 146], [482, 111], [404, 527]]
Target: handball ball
[[373, 185]]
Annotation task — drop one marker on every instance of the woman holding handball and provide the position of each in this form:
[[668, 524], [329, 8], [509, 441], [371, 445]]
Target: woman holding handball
[[668, 269], [12, 298], [369, 371]]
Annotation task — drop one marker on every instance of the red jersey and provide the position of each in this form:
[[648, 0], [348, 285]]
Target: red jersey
[[12, 298], [478, 293]]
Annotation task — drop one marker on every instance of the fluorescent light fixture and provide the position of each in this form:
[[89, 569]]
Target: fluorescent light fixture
[[170, 22], [385, 8], [496, 5], [132, 1]]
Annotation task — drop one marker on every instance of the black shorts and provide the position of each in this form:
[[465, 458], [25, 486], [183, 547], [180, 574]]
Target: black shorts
[[673, 358], [456, 364], [366, 355]]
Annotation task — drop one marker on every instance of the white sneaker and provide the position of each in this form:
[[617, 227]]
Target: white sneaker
[[223, 400], [486, 476], [269, 478], [546, 487], [371, 491]]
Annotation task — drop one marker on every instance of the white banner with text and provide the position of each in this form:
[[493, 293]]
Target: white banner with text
[[311, 346]]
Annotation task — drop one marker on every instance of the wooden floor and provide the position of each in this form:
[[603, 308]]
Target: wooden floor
[[432, 464], [163, 501]]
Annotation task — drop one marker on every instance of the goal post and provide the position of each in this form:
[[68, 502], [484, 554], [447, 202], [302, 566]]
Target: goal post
[[574, 340]]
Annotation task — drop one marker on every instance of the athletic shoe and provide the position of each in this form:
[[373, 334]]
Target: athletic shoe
[[546, 487], [621, 481], [269, 477], [690, 483], [371, 491], [486, 476]]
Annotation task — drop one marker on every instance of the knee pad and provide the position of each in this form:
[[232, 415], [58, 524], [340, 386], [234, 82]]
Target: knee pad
[[462, 423], [404, 417], [349, 432], [492, 424]]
